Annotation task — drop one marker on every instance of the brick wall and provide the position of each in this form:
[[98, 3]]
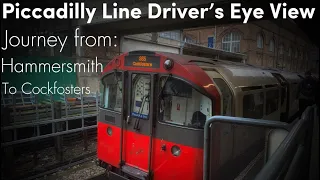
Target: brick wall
[[291, 42]]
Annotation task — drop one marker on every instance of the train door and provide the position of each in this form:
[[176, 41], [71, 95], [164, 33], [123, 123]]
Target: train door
[[137, 131]]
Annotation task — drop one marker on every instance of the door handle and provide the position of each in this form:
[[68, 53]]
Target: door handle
[[128, 120]]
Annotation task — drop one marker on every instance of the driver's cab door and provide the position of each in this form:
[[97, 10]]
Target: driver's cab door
[[138, 127]]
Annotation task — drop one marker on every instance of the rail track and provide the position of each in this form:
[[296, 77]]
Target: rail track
[[35, 159], [59, 166]]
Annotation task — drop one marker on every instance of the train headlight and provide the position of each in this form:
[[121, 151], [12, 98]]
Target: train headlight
[[109, 131], [175, 150], [168, 64]]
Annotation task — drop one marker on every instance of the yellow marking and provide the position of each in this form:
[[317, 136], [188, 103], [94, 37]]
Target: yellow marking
[[142, 64]]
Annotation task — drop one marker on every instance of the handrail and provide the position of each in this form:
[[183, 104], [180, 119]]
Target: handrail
[[275, 164], [235, 120]]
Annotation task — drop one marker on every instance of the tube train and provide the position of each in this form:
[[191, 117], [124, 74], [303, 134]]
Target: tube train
[[154, 105]]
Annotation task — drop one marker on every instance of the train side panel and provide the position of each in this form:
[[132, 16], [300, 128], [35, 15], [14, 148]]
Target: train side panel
[[240, 142]]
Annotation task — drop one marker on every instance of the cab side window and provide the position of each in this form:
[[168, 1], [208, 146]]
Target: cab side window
[[111, 92], [253, 105], [181, 104]]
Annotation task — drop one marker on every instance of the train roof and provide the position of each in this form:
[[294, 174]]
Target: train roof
[[200, 61], [246, 76], [289, 76], [237, 74]]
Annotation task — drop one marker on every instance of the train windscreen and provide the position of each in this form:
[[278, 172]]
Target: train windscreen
[[111, 92], [183, 105]]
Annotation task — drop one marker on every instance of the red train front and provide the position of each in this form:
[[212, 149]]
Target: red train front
[[154, 106], [153, 109]]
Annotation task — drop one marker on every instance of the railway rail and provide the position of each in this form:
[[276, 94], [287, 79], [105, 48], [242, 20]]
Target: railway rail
[[60, 166]]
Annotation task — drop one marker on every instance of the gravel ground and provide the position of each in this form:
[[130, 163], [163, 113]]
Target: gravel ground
[[79, 172], [47, 157]]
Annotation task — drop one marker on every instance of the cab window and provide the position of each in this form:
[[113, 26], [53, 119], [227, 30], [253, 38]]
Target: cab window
[[253, 105], [181, 104], [111, 92], [140, 96]]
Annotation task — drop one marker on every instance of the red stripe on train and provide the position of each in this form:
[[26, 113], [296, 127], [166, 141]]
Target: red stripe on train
[[188, 165], [108, 147]]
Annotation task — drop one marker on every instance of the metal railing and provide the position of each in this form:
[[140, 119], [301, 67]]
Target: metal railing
[[294, 152], [233, 120], [56, 114], [18, 98], [286, 158]]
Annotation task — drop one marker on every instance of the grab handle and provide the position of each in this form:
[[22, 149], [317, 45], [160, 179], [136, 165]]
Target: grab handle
[[128, 120]]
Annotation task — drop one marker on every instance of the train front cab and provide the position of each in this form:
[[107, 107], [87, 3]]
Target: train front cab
[[154, 106], [151, 119]]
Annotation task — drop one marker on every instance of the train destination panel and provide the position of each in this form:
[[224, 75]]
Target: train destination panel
[[142, 61]]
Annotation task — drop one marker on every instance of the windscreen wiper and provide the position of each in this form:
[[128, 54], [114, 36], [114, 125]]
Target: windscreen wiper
[[117, 80], [160, 92], [137, 122]]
